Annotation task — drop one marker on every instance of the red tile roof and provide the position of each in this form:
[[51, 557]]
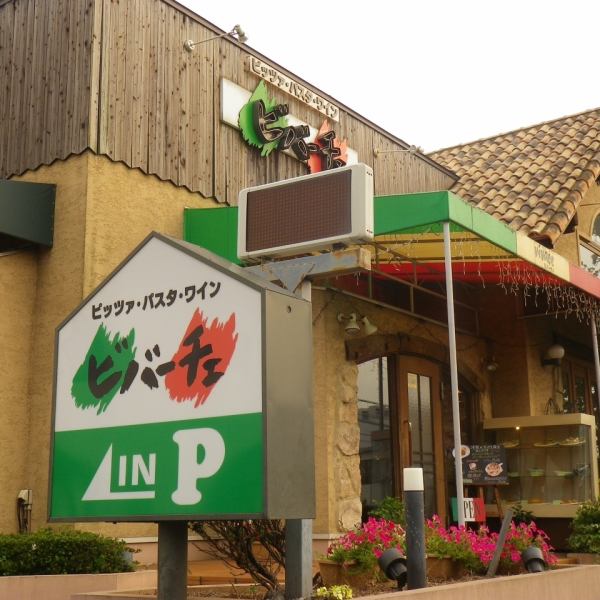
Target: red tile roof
[[533, 178]]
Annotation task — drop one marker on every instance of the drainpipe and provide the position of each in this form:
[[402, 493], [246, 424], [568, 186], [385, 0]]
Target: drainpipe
[[453, 376]]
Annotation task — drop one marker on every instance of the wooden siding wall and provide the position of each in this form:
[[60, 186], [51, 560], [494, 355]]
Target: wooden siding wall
[[45, 81], [112, 75]]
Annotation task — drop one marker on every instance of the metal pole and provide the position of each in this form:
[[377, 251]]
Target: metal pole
[[172, 560], [414, 505], [460, 501], [298, 558], [596, 361]]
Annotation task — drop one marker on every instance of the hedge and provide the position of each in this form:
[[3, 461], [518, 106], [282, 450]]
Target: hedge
[[58, 552]]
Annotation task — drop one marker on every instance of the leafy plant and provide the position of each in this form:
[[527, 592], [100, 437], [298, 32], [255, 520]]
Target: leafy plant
[[62, 551], [586, 528], [364, 544], [239, 544], [390, 509], [521, 515], [335, 592], [475, 548]]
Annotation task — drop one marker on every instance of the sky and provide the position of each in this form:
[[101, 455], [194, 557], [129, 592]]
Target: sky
[[434, 73]]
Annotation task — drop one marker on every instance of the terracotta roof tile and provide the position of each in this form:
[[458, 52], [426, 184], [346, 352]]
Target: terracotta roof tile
[[533, 178]]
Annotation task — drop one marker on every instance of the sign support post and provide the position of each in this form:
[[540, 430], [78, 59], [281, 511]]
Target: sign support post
[[172, 560], [298, 558], [298, 532]]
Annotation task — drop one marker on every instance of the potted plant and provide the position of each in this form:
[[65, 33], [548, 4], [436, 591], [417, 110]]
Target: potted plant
[[453, 551], [352, 558], [585, 536], [450, 551]]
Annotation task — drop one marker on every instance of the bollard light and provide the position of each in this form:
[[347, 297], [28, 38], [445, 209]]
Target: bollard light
[[414, 504], [533, 559], [393, 564]]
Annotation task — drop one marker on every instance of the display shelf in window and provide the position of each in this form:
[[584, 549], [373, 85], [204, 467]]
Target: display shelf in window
[[551, 461]]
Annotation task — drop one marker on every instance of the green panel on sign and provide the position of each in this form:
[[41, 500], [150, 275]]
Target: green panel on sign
[[394, 214], [214, 229], [199, 468]]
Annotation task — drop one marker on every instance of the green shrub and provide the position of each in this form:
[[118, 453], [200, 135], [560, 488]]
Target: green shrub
[[56, 552], [586, 528], [390, 509]]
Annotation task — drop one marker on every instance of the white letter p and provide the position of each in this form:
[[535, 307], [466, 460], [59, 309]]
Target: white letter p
[[190, 470]]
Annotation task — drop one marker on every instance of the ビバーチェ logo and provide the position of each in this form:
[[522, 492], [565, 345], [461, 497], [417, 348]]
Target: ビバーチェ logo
[[158, 400], [264, 125]]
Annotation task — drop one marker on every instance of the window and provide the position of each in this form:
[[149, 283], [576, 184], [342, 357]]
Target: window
[[596, 231], [589, 252], [375, 435]]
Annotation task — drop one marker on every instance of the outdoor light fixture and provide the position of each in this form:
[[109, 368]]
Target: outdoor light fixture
[[409, 150], [353, 324], [351, 327], [369, 328], [533, 559], [553, 355], [237, 32], [393, 564]]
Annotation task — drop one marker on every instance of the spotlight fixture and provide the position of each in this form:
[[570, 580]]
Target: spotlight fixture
[[393, 564], [237, 32], [553, 355], [354, 322], [351, 327], [369, 328], [533, 559]]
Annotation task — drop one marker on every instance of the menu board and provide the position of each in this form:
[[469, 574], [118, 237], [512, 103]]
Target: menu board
[[484, 465]]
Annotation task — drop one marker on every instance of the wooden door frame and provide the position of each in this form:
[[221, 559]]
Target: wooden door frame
[[422, 366]]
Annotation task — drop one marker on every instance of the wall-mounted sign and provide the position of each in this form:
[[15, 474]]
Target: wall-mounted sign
[[234, 98], [264, 124], [299, 91], [162, 381], [539, 255]]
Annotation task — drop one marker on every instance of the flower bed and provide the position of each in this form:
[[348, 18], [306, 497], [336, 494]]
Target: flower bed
[[469, 550], [474, 549]]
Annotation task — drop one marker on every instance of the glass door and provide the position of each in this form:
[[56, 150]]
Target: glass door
[[421, 428]]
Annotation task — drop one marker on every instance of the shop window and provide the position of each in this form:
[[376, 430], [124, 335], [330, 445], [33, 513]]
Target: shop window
[[578, 388], [589, 250], [375, 436]]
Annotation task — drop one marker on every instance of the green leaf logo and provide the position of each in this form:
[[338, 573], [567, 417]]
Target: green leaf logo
[[246, 124]]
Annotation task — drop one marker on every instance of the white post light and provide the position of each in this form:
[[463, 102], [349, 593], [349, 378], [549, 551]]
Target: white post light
[[415, 528]]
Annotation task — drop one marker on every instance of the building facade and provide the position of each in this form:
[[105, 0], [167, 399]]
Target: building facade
[[104, 103]]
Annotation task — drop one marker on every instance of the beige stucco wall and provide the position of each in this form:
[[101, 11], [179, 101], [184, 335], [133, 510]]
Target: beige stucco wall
[[59, 286], [103, 210], [18, 286]]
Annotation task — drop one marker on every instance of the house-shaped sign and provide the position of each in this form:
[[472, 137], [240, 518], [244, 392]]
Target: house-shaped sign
[[183, 391]]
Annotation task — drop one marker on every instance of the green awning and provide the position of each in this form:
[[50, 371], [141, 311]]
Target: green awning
[[413, 214], [26, 214]]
